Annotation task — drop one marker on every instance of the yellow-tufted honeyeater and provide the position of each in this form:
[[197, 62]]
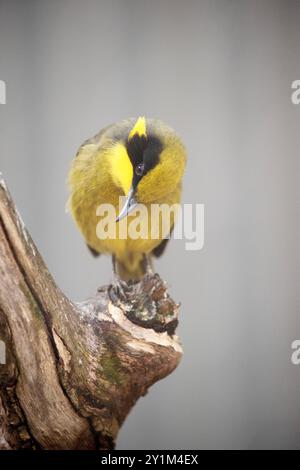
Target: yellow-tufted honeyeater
[[142, 159]]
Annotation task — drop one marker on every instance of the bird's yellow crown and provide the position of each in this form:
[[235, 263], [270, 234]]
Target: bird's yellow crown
[[139, 128]]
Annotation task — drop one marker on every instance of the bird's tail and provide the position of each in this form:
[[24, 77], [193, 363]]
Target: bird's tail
[[133, 266]]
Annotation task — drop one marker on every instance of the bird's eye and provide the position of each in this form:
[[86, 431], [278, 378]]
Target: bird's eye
[[139, 169]]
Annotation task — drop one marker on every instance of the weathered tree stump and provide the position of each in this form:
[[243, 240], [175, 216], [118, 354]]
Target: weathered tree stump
[[74, 370]]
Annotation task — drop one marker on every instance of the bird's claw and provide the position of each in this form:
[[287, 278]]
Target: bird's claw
[[118, 288]]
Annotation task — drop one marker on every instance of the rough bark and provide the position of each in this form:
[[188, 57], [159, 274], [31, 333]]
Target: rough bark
[[73, 371]]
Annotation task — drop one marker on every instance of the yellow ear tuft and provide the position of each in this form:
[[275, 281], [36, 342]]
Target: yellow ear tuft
[[121, 167], [139, 128]]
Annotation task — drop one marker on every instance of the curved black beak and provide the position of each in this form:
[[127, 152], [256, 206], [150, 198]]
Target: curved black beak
[[129, 205]]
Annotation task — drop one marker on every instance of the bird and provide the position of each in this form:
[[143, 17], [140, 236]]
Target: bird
[[141, 160]]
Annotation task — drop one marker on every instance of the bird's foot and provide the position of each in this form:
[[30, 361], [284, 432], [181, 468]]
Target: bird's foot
[[146, 302], [148, 267], [120, 286]]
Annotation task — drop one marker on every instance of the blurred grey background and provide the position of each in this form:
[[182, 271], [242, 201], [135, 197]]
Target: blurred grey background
[[220, 73]]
